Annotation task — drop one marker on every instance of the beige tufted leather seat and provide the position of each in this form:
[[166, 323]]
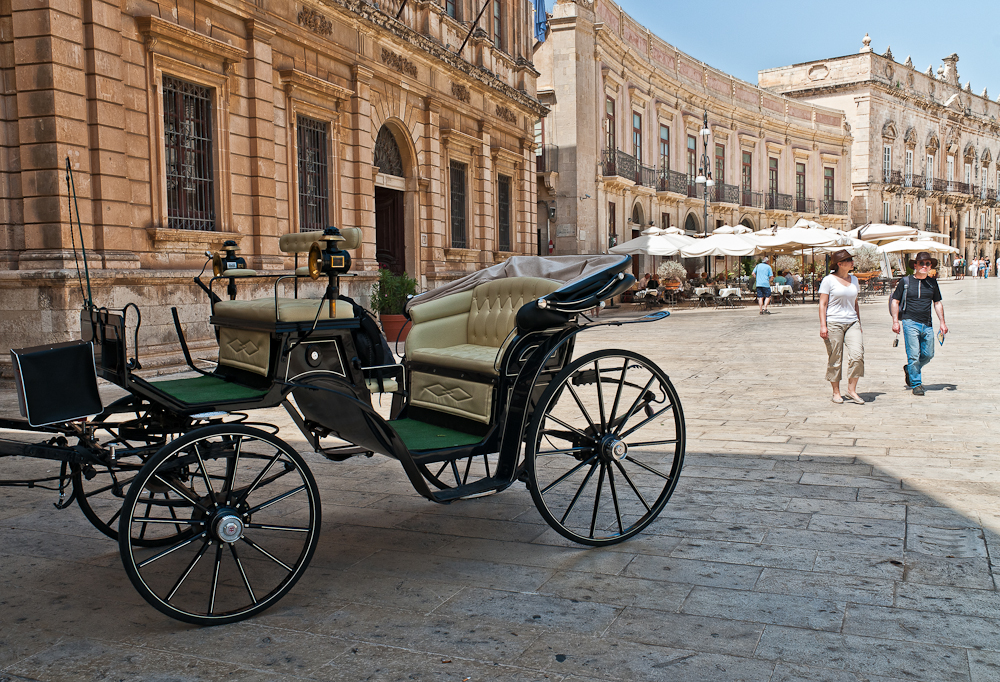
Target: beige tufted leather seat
[[466, 332]]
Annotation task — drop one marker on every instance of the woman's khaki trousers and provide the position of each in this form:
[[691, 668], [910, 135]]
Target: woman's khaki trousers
[[844, 340]]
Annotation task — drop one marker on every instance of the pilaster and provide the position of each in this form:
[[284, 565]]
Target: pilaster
[[263, 185]]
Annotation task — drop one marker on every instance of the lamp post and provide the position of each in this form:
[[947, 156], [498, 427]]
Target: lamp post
[[705, 178]]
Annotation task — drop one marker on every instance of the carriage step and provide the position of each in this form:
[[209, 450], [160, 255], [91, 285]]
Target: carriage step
[[483, 486]]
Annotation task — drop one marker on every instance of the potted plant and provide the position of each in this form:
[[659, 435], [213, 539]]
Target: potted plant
[[388, 300]]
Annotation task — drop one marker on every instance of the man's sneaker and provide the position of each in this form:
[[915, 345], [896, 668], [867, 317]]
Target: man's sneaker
[[918, 390], [906, 376]]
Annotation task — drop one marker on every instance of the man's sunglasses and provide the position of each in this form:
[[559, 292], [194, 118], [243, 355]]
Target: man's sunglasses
[[924, 262]]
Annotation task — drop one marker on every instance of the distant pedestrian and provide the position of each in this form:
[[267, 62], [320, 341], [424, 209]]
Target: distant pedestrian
[[910, 307], [762, 271], [840, 327]]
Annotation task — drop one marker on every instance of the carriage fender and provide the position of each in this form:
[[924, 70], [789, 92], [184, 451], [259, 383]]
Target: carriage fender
[[323, 401]]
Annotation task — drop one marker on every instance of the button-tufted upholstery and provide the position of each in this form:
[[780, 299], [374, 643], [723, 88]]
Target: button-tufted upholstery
[[466, 332], [289, 310]]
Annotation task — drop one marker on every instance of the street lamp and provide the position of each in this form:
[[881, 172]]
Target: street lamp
[[705, 178]]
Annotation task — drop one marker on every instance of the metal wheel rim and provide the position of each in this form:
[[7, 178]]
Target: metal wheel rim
[[584, 488], [252, 510]]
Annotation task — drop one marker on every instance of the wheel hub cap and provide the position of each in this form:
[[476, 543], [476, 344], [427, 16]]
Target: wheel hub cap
[[614, 448], [229, 528]]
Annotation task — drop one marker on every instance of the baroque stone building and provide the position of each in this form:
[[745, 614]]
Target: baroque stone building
[[926, 150], [191, 123], [621, 146]]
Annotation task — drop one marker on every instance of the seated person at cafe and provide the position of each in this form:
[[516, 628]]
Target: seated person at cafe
[[643, 281], [653, 283], [791, 280], [779, 281]]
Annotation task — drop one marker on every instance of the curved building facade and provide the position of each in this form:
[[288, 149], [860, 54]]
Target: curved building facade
[[622, 144]]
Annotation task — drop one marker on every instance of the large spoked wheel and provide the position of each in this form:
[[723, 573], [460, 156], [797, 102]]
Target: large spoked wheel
[[136, 429], [243, 517], [605, 447]]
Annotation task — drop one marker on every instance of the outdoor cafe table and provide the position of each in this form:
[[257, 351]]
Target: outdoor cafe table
[[731, 291], [701, 291]]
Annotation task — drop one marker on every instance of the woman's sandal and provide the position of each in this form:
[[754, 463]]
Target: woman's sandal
[[837, 399], [856, 399]]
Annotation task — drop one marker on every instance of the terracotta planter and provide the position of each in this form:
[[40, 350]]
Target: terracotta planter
[[391, 326]]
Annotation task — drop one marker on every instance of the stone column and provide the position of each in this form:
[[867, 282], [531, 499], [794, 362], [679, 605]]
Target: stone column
[[433, 190], [359, 199], [51, 102], [263, 185], [484, 233], [110, 188]]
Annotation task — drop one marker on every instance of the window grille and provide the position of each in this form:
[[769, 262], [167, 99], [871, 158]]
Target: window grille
[[457, 173], [503, 206], [313, 184], [187, 123]]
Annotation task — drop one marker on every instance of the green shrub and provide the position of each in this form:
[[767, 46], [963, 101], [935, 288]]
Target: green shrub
[[389, 292]]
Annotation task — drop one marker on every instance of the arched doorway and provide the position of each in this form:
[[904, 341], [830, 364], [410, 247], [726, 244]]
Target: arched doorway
[[746, 222], [390, 222], [691, 223]]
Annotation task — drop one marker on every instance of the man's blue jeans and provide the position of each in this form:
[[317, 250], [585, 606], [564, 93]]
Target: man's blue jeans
[[919, 340]]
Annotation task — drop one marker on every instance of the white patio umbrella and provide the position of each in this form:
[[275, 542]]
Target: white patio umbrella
[[722, 244], [881, 233], [794, 238], [915, 245], [932, 236], [673, 230], [653, 245]]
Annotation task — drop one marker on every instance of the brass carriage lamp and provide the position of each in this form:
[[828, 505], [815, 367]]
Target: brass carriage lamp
[[327, 256], [226, 259]]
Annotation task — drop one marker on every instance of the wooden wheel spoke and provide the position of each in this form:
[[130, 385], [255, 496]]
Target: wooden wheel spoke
[[187, 571], [579, 490], [243, 573], [635, 404], [170, 550], [597, 499], [579, 403], [215, 579], [568, 474], [645, 421], [628, 479], [277, 498], [614, 498], [267, 554]]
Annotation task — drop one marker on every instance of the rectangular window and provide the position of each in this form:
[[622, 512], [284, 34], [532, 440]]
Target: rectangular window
[[885, 212], [908, 209], [827, 184], [968, 174], [950, 177], [909, 168], [498, 40], [800, 183], [692, 154], [451, 8], [664, 220], [637, 136], [313, 184], [612, 224], [457, 177], [664, 148], [720, 164], [187, 124], [930, 167], [746, 174], [886, 162], [503, 213], [772, 175], [930, 219], [610, 143]]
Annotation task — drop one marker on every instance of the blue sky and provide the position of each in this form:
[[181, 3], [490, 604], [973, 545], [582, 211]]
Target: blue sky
[[741, 38]]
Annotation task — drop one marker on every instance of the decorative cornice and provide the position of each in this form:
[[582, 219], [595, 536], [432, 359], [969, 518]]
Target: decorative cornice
[[158, 31], [293, 79], [374, 16]]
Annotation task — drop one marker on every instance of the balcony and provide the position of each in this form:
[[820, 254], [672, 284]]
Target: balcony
[[832, 207], [939, 185], [547, 160], [893, 177], [777, 202], [910, 223], [729, 194], [803, 205], [671, 181], [645, 176], [615, 162], [960, 187], [970, 233], [914, 181]]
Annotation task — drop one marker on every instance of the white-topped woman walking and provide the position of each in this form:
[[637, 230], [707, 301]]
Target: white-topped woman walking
[[840, 327]]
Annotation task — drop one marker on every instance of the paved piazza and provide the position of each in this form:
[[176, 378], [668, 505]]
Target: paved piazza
[[805, 541]]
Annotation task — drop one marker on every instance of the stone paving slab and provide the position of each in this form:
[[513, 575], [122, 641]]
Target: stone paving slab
[[805, 541]]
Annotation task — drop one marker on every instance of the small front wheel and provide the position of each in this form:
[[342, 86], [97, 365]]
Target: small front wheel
[[243, 514], [605, 447]]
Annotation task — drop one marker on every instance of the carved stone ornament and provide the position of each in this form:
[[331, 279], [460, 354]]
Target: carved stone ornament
[[506, 114], [314, 21], [401, 64], [387, 155], [460, 92]]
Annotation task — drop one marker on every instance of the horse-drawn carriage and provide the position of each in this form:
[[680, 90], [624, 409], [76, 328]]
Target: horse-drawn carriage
[[217, 517]]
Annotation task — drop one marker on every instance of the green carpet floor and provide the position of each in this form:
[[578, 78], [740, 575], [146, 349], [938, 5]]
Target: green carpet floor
[[206, 390], [424, 436]]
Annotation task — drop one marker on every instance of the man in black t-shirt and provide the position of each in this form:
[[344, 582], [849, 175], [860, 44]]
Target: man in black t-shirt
[[910, 306]]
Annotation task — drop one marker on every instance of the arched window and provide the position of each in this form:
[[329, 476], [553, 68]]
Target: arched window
[[691, 224], [637, 214], [746, 222], [387, 156]]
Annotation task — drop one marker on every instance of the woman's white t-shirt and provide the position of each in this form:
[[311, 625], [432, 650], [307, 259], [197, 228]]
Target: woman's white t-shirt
[[842, 299]]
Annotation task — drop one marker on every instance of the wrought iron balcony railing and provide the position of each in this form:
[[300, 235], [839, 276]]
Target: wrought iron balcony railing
[[777, 202], [832, 207], [893, 177], [722, 192], [671, 181], [804, 205], [547, 160], [970, 233], [645, 176], [910, 223], [616, 162]]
